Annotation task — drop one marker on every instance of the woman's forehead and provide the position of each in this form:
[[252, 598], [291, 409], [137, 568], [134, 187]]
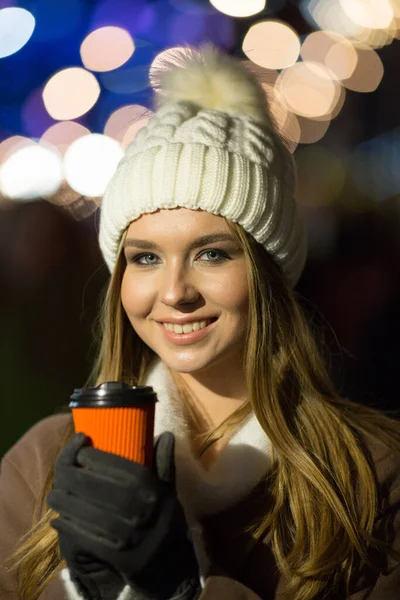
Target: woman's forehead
[[175, 221]]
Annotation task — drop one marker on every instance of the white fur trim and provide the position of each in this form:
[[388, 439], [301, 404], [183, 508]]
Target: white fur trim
[[73, 594], [127, 593], [240, 466], [70, 587]]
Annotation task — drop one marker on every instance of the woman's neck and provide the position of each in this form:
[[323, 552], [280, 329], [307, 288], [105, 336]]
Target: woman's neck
[[205, 410]]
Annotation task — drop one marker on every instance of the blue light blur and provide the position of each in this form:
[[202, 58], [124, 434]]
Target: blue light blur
[[374, 166], [16, 28]]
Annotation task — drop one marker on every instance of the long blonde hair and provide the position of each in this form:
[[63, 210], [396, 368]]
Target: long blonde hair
[[320, 521]]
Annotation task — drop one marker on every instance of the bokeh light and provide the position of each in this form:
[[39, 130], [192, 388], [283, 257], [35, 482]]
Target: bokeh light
[[312, 130], [284, 120], [127, 80], [82, 207], [64, 196], [308, 90], [272, 44], [16, 28], [61, 135], [331, 49], [41, 169], [374, 166], [12, 144], [106, 49], [132, 130], [70, 93], [239, 8], [368, 72], [369, 21], [374, 14], [125, 122], [90, 162], [329, 15]]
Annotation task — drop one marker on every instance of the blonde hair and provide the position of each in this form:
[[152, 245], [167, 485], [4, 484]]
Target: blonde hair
[[321, 523]]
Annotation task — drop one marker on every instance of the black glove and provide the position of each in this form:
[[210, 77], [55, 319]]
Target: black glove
[[121, 523]]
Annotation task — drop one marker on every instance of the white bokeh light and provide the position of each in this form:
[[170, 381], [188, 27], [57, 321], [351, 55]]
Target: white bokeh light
[[31, 172], [70, 93], [272, 44], [374, 14], [90, 162], [16, 28], [239, 8], [107, 48]]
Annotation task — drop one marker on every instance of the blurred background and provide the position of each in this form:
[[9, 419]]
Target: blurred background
[[75, 87]]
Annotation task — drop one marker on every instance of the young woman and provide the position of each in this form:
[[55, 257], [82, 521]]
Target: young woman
[[266, 484]]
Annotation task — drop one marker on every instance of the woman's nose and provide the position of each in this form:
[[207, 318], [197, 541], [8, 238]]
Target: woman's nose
[[178, 286]]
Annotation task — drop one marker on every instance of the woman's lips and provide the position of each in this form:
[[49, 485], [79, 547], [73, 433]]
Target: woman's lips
[[181, 339]]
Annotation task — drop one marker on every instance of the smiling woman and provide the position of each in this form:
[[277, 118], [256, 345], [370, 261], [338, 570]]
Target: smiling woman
[[266, 483], [184, 284]]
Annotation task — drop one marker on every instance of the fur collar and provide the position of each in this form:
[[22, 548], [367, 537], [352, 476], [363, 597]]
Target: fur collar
[[240, 466]]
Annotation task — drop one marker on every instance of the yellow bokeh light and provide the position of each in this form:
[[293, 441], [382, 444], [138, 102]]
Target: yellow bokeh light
[[70, 93], [106, 49], [368, 72], [332, 50], [374, 14], [272, 44], [239, 8], [312, 130], [308, 90]]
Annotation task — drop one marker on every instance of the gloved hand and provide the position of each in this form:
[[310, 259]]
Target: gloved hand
[[121, 523]]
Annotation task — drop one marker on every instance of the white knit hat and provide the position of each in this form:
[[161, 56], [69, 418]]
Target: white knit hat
[[210, 145]]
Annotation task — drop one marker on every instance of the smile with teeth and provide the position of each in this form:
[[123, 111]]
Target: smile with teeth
[[188, 327]]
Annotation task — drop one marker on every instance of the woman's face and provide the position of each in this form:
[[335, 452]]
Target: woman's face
[[179, 279]]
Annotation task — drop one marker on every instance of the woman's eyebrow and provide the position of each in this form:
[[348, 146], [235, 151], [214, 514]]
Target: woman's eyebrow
[[201, 241]]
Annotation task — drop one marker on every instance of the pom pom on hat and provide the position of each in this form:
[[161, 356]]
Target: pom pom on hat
[[210, 79]]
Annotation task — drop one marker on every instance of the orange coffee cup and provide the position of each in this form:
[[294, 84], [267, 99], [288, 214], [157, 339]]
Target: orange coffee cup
[[118, 418]]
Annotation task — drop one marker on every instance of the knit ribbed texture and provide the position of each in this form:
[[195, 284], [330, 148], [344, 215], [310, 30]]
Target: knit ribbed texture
[[228, 165]]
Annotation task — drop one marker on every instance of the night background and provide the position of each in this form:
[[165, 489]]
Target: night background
[[75, 86]]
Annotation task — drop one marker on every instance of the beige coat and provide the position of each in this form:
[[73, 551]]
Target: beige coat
[[246, 570]]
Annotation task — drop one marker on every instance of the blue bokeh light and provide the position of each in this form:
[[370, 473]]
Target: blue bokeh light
[[16, 28]]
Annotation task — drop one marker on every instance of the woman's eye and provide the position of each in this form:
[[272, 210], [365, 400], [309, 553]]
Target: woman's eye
[[221, 256]]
